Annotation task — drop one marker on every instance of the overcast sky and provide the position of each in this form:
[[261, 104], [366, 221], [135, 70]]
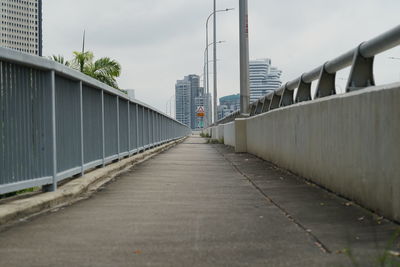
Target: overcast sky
[[160, 41]]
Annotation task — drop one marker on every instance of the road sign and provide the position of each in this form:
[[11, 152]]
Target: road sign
[[200, 111]]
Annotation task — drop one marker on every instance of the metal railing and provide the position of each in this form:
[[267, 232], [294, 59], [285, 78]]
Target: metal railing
[[56, 122], [361, 60]]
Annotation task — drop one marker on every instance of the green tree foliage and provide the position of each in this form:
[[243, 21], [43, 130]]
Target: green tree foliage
[[60, 59], [104, 69]]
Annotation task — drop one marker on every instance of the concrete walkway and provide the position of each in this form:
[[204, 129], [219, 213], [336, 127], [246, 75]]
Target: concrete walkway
[[199, 205]]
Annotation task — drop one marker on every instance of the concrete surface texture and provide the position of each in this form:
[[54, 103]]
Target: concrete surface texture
[[199, 204], [349, 143], [13, 209], [229, 134]]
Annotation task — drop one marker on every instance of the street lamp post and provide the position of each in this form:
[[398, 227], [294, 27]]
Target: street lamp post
[[215, 62], [206, 78], [244, 57], [205, 74], [170, 106]]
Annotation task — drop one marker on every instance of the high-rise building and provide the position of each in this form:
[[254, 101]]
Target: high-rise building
[[21, 25], [182, 101], [227, 105], [263, 78], [189, 96]]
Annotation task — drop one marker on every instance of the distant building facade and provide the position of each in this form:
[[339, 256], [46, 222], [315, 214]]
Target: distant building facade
[[182, 101], [21, 25], [263, 78], [227, 105], [189, 96]]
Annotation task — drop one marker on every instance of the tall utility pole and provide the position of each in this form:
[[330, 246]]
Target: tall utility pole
[[215, 62], [244, 57]]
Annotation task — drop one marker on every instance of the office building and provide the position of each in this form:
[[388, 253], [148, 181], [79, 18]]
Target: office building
[[189, 96], [182, 101], [227, 105], [263, 78], [21, 25]]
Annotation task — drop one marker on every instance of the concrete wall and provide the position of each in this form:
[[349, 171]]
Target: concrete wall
[[348, 143], [217, 132], [229, 134], [214, 132]]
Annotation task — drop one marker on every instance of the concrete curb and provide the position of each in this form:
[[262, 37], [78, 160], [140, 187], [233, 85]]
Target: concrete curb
[[73, 189]]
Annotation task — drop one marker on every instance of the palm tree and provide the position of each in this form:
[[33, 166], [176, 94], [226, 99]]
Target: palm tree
[[60, 59], [81, 59], [104, 69]]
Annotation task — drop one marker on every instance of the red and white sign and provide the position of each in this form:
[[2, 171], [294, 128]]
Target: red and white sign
[[200, 111]]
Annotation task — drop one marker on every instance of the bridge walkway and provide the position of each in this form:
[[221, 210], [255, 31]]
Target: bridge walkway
[[199, 204]]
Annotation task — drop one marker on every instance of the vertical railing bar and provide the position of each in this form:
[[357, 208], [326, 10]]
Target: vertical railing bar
[[36, 80], [22, 155], [137, 128], [18, 133], [118, 137], [102, 128], [129, 127], [148, 128], [160, 124], [11, 133], [37, 127], [53, 186], [158, 138], [3, 105], [154, 128], [29, 172], [81, 127], [2, 124], [30, 127], [143, 129], [13, 129], [7, 130], [158, 128]]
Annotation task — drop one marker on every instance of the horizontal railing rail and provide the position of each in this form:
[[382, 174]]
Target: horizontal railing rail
[[56, 122], [361, 60]]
